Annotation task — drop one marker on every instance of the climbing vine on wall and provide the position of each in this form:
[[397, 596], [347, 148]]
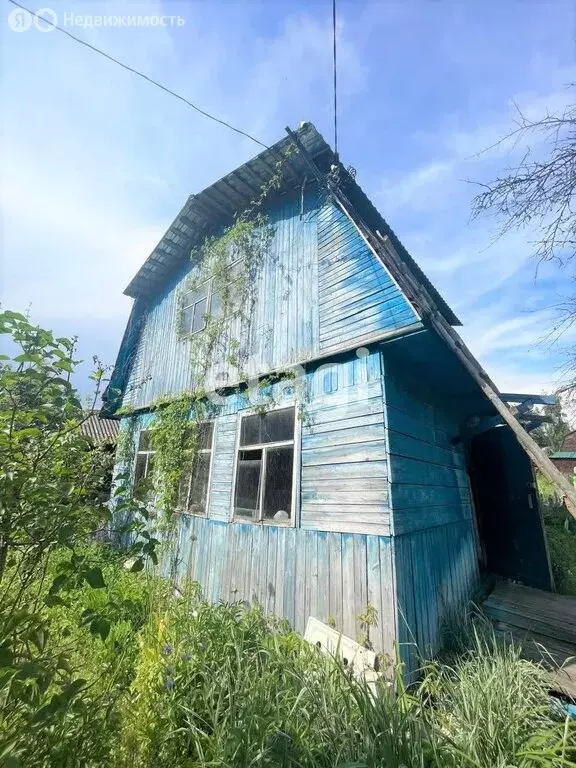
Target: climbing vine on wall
[[225, 267]]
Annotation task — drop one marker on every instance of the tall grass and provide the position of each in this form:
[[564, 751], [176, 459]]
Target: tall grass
[[493, 708], [181, 683], [225, 686]]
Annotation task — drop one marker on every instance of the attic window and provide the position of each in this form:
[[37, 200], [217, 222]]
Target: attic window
[[195, 307], [265, 467], [205, 300]]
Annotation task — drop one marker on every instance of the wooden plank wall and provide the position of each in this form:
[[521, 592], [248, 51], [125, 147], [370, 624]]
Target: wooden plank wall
[[436, 575], [429, 480], [357, 295], [344, 459], [283, 325], [222, 471], [293, 573], [435, 548]]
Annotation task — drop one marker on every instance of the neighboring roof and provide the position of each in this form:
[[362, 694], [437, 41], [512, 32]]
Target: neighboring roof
[[99, 429], [218, 203], [564, 455]]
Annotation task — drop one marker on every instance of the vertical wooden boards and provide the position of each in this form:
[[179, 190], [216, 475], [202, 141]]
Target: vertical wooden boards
[[283, 323], [344, 484], [429, 481], [357, 295], [294, 573], [436, 574]]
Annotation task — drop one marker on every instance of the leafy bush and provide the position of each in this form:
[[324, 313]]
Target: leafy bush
[[50, 477], [560, 529]]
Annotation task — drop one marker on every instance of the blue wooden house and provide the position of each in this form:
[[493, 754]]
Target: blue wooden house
[[384, 475]]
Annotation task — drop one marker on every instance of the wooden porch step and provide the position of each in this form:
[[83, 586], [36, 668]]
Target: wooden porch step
[[543, 623]]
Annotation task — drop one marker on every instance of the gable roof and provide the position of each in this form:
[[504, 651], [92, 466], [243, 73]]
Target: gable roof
[[218, 203]]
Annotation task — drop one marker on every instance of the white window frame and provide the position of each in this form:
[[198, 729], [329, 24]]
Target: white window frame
[[209, 295], [295, 443], [210, 450], [141, 453]]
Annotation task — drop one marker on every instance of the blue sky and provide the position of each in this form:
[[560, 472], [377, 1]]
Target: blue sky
[[96, 162]]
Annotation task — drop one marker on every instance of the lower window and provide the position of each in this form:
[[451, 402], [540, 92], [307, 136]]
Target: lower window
[[265, 467], [193, 489]]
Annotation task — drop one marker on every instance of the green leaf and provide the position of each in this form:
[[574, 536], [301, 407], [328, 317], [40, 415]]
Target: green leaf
[[95, 578], [137, 565], [72, 689], [51, 600], [65, 365], [26, 357], [100, 627], [6, 656], [58, 583]]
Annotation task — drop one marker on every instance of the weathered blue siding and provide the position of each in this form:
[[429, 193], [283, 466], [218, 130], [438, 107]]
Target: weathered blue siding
[[357, 295], [283, 326], [293, 573], [319, 290], [435, 547], [436, 573], [428, 478], [222, 473], [344, 457]]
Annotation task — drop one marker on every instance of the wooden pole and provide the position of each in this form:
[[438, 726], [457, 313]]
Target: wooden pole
[[385, 251]]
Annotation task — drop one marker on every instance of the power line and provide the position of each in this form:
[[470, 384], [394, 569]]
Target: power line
[[335, 80], [140, 74]]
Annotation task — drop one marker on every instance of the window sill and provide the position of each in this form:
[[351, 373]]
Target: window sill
[[191, 514], [267, 523]]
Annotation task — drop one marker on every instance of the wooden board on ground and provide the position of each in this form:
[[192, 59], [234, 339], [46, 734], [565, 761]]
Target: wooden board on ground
[[543, 623]]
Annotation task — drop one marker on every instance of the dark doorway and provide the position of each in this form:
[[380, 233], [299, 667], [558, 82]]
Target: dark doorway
[[506, 501]]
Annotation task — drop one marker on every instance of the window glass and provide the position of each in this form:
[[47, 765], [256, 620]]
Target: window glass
[[193, 486], [145, 440], [248, 476], [215, 303], [199, 484], [187, 315], [272, 427], [278, 483], [198, 320], [192, 297], [264, 474], [194, 307], [204, 438], [139, 471]]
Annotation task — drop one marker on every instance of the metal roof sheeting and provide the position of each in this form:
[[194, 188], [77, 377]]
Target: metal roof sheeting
[[100, 430], [564, 455], [217, 205]]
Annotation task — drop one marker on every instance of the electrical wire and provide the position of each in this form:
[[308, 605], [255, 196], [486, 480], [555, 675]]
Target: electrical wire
[[139, 74], [335, 78]]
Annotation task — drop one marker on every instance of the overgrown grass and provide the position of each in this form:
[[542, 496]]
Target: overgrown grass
[[560, 529], [493, 707], [180, 683]]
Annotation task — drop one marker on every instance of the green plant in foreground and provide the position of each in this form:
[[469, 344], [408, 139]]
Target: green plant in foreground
[[50, 507], [492, 709]]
